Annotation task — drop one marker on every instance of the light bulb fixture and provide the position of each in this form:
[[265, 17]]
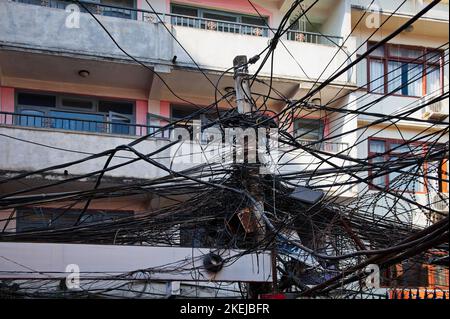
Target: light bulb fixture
[[409, 29], [317, 101], [84, 73]]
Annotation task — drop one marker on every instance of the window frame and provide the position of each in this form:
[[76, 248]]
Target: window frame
[[59, 97], [388, 154], [387, 56], [300, 118], [202, 118], [32, 211], [237, 15]]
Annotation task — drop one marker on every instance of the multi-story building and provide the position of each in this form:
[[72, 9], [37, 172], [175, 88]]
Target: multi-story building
[[68, 91]]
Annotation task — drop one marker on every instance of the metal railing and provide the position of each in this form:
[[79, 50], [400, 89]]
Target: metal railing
[[79, 125], [418, 293], [96, 8], [313, 37], [332, 147], [189, 21], [217, 25]]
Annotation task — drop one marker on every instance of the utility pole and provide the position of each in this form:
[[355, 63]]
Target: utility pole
[[250, 173], [243, 94]]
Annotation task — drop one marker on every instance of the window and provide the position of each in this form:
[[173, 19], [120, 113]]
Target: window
[[182, 111], [404, 70], [414, 274], [37, 218], [439, 276], [410, 179], [308, 129], [31, 99], [218, 20], [75, 113]]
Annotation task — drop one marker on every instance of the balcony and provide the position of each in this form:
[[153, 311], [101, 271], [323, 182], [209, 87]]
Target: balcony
[[252, 30], [29, 143], [115, 126], [97, 8], [142, 35], [409, 8], [40, 25]]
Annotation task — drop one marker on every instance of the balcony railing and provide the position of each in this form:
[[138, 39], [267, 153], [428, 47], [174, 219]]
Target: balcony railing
[[312, 37], [96, 8], [217, 25], [189, 21], [331, 147], [80, 125]]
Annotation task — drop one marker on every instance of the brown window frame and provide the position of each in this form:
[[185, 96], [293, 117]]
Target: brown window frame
[[387, 56]]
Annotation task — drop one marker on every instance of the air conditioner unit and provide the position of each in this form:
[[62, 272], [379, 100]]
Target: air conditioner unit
[[437, 111]]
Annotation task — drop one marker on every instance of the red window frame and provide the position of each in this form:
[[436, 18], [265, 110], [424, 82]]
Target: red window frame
[[387, 56]]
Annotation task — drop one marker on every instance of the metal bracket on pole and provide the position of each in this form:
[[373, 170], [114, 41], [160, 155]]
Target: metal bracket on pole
[[243, 94]]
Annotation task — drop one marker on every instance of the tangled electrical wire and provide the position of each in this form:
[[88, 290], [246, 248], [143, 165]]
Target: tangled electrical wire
[[320, 247]]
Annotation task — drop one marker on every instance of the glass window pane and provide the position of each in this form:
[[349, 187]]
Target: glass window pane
[[186, 11], [379, 51], [32, 99], [433, 56], [403, 52], [77, 103], [44, 218], [218, 16], [440, 278], [399, 148], [415, 76], [179, 112], [433, 80], [381, 180], [377, 147], [405, 78], [376, 76], [117, 107], [394, 77], [308, 129], [253, 20], [409, 178]]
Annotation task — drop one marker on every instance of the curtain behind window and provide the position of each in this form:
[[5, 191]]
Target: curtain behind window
[[377, 76]]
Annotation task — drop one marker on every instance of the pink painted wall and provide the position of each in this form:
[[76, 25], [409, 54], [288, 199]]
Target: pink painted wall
[[164, 109], [6, 104], [241, 6], [139, 6], [326, 129], [6, 99], [141, 116]]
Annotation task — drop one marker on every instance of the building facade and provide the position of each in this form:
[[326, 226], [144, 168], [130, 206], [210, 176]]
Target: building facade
[[68, 91]]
